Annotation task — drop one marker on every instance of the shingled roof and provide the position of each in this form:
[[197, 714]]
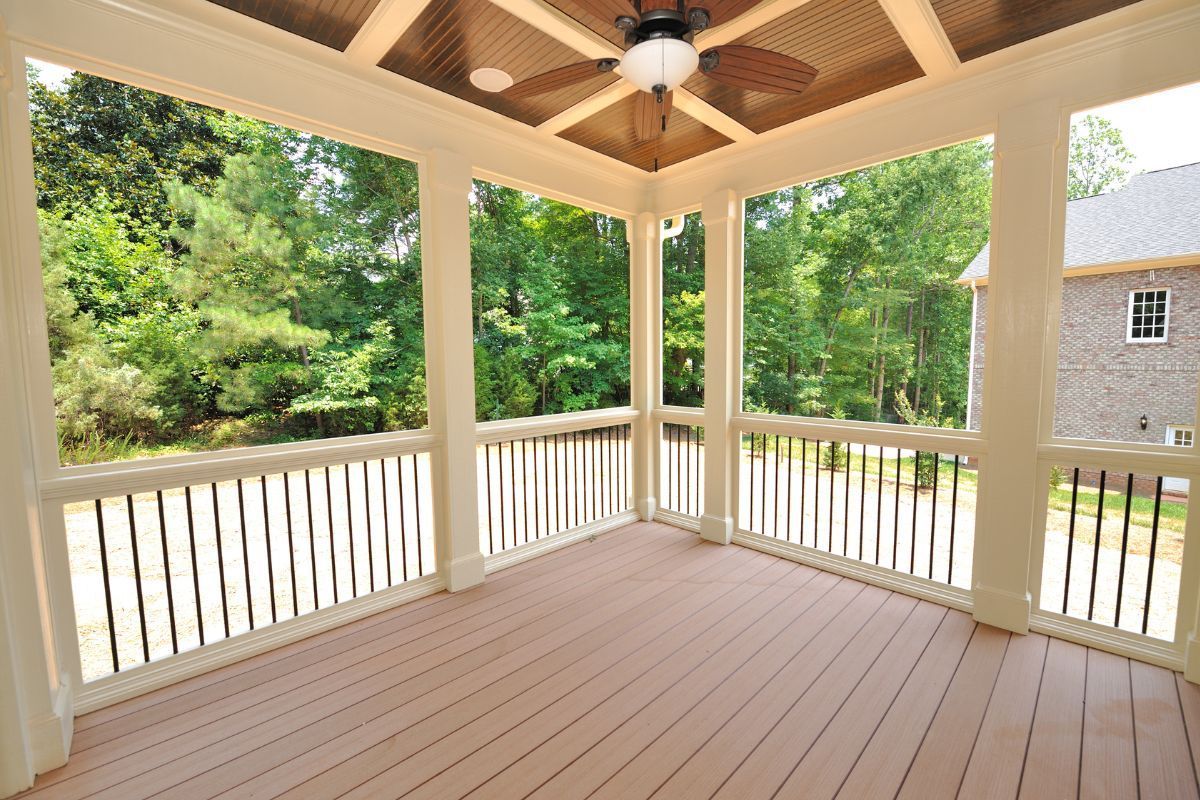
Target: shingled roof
[[1155, 215]]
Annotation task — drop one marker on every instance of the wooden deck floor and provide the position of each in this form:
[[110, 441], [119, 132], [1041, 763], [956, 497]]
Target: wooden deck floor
[[650, 663]]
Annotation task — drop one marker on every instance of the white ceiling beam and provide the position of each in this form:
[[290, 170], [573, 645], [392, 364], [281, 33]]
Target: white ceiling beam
[[763, 13], [613, 93], [385, 26], [555, 23], [708, 114], [924, 35]]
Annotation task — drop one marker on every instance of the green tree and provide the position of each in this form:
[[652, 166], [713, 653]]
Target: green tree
[[1099, 161]]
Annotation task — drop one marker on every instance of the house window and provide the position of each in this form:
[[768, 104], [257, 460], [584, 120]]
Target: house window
[[1180, 436], [1148, 312]]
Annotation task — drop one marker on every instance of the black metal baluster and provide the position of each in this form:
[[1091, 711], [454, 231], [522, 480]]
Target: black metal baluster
[[803, 482], [537, 534], [912, 540], [162, 530], [370, 533], [245, 556], [417, 514], [512, 473], [487, 468], [667, 430], [775, 521], [350, 532], [187, 494], [332, 544], [862, 503], [546, 480], [879, 507], [1096, 549], [387, 525], [751, 494], [112, 629], [846, 503], [403, 526], [270, 557], [312, 537], [607, 439], [817, 498], [560, 490], [954, 520], [500, 490], [933, 513], [1153, 550], [832, 483], [575, 474], [788, 513], [220, 561], [1124, 548], [287, 505], [525, 490], [687, 463], [896, 514], [595, 476], [137, 577]]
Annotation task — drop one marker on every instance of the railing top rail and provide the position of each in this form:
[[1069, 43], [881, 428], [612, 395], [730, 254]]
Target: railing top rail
[[679, 415], [144, 475], [1184, 463], [940, 440], [526, 427]]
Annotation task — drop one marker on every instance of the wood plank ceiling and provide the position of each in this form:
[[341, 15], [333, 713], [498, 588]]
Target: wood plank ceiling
[[852, 43]]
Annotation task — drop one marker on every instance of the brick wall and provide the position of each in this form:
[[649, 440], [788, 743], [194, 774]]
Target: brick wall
[[1105, 384]]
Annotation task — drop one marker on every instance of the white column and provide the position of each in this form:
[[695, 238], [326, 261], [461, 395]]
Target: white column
[[645, 342], [721, 213], [450, 364], [36, 713], [1028, 208]]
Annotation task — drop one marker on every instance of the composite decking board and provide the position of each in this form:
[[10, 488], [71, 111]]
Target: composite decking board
[[709, 766], [1164, 760], [880, 767], [519, 779], [1108, 764], [227, 759], [1007, 722], [650, 661], [554, 567], [863, 666], [822, 770], [940, 764], [473, 751], [622, 763], [406, 729], [1052, 760]]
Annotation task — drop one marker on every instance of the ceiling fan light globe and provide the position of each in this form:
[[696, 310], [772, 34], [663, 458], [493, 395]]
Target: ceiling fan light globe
[[661, 62]]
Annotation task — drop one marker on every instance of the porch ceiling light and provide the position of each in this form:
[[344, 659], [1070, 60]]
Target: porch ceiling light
[[490, 79], [659, 65]]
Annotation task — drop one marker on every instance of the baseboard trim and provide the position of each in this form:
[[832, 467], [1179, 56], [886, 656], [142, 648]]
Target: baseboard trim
[[155, 675], [685, 521], [50, 734], [538, 547]]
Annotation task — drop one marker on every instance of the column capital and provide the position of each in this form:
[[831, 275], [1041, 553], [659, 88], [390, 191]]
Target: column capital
[[448, 171], [718, 207], [1038, 124]]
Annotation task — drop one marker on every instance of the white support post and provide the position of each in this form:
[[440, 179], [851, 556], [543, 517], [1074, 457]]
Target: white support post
[[1028, 209], [721, 213], [450, 364], [645, 339], [36, 712]]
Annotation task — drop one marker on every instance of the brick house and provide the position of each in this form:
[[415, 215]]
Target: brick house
[[1129, 347]]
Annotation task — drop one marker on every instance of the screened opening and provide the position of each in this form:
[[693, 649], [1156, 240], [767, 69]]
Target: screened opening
[[683, 315]]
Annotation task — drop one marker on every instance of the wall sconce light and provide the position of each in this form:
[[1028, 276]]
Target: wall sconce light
[[1143, 422]]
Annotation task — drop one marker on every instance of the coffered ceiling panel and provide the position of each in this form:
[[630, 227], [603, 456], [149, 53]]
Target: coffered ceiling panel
[[452, 38], [330, 22], [979, 27], [582, 11], [611, 132], [853, 45]]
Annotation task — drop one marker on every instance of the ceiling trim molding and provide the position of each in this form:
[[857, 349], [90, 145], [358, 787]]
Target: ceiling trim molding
[[711, 116], [556, 24], [385, 26], [203, 52], [613, 93], [924, 35]]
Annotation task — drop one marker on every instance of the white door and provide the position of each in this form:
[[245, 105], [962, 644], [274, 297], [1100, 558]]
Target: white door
[[1179, 436]]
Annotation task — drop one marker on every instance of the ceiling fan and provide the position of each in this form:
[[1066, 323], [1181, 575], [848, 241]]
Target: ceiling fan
[[660, 56]]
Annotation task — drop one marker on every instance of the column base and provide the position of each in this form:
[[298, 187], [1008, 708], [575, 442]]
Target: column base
[[1191, 659], [463, 573], [716, 529], [1003, 609], [646, 508]]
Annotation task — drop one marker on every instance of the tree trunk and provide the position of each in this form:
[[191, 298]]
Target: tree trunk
[[920, 358], [837, 315], [298, 318]]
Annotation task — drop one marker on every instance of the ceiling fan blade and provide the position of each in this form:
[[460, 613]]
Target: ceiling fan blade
[[721, 11], [757, 69], [558, 78], [650, 117], [609, 10]]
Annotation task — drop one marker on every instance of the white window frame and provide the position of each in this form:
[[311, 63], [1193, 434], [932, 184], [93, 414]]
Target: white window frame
[[1129, 337], [1173, 429]]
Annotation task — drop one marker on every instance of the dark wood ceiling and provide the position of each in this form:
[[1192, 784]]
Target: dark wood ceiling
[[330, 22], [853, 45], [979, 27], [611, 132], [452, 38]]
